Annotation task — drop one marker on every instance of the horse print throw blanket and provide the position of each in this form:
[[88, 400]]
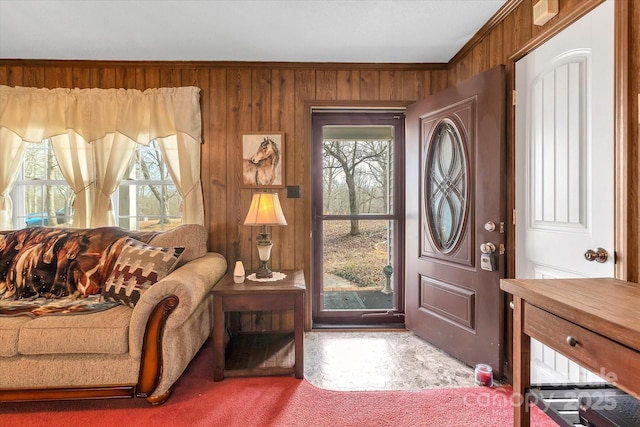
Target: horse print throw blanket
[[46, 270]]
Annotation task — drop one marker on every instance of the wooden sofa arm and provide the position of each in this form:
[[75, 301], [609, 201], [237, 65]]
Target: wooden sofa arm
[[151, 360]]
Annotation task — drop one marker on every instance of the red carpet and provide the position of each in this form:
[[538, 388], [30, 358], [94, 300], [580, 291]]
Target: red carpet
[[276, 401]]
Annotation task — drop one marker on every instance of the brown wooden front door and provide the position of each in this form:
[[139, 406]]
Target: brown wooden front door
[[455, 203]]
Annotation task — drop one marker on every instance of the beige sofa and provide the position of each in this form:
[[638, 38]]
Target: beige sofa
[[122, 351]]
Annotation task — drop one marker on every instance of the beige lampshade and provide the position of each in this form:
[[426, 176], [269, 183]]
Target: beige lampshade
[[265, 209]]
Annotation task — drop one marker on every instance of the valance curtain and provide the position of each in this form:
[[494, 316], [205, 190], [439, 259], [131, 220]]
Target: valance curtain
[[94, 132]]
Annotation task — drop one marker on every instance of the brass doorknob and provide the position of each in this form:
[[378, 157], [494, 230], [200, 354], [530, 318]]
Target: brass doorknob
[[599, 255]]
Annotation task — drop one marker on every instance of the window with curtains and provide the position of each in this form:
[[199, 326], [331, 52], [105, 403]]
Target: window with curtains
[[41, 196], [146, 199], [129, 157]]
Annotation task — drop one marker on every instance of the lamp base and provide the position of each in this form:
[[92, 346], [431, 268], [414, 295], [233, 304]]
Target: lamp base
[[263, 272], [264, 253]]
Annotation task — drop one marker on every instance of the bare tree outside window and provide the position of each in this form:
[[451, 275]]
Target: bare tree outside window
[[356, 186], [147, 198], [359, 168], [152, 168]]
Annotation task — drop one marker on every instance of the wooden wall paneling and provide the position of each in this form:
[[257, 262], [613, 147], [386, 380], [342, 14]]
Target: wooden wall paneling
[[14, 76], [122, 77], [283, 119], [217, 155], [283, 99], [326, 84], [261, 114], [129, 77], [149, 78], [463, 69], [81, 77], [496, 52], [391, 85], [416, 84], [370, 84], [170, 76], [439, 81], [95, 74], [480, 57], [508, 37], [4, 73], [261, 118], [240, 237], [190, 76], [523, 16], [139, 79], [246, 321], [103, 77], [261, 99], [283, 105], [304, 90], [33, 76], [348, 84], [287, 320], [58, 77]]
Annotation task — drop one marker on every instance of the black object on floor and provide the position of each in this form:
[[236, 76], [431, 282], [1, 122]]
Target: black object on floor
[[357, 300], [614, 411]]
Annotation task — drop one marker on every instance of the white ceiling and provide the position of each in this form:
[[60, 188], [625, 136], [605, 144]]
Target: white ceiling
[[390, 31]]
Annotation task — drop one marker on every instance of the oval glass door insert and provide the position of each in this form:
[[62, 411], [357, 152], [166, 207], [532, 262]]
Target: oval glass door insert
[[446, 186]]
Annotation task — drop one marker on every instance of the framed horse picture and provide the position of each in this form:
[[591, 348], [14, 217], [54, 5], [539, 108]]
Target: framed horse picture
[[263, 160]]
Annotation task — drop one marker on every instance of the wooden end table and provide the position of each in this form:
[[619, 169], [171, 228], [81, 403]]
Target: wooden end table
[[284, 294], [593, 321]]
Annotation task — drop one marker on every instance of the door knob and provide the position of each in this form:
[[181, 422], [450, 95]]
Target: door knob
[[599, 255]]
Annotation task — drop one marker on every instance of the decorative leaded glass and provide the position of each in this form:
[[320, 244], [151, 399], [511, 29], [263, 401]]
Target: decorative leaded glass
[[446, 186]]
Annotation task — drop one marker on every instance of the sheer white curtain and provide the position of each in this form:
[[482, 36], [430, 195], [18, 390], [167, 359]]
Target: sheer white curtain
[[113, 154], [11, 155], [76, 159], [94, 132]]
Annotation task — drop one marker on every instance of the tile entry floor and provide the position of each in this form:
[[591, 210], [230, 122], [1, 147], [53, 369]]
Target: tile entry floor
[[393, 360]]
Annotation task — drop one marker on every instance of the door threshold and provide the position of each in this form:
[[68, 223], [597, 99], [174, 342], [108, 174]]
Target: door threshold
[[350, 327]]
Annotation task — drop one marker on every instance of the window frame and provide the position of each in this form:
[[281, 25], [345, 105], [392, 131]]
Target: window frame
[[19, 197]]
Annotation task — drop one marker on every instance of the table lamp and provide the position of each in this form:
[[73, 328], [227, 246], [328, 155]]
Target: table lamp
[[265, 210]]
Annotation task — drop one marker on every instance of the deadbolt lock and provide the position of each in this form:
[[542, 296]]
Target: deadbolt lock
[[487, 248]]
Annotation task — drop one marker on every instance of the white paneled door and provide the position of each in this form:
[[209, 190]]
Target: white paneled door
[[564, 165]]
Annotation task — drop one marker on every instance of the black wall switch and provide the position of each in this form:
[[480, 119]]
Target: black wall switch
[[293, 191]]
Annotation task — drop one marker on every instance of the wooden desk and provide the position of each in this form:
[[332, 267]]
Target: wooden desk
[[285, 294], [594, 322]]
